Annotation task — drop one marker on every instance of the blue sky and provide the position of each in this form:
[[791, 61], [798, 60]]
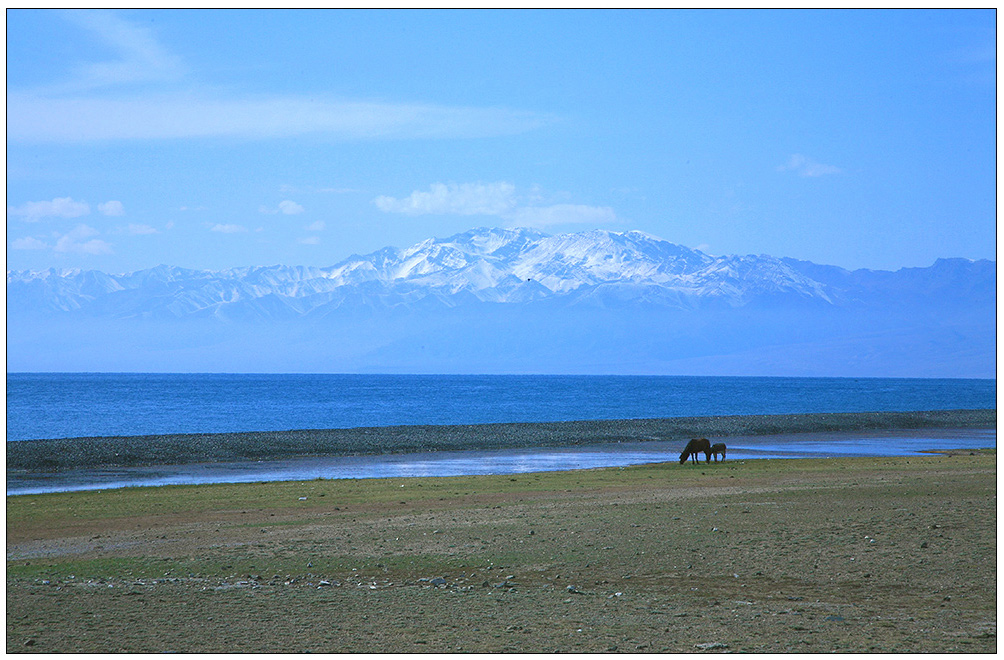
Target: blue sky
[[212, 139]]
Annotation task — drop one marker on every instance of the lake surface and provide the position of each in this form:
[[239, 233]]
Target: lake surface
[[43, 406], [456, 463], [49, 405]]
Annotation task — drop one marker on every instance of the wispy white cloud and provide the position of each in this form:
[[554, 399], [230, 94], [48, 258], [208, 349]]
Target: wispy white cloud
[[63, 207], [285, 207], [28, 243], [289, 207], [454, 199], [228, 228], [498, 199], [316, 226], [79, 241], [140, 230], [804, 166], [143, 94], [112, 208], [561, 214], [310, 240], [60, 207], [35, 118], [140, 57]]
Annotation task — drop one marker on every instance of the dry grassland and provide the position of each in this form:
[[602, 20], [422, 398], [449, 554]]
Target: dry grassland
[[847, 555]]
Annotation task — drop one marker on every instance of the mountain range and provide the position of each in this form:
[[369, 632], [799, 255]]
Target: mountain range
[[515, 300]]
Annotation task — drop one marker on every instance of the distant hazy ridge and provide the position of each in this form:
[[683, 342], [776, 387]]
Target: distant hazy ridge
[[515, 300]]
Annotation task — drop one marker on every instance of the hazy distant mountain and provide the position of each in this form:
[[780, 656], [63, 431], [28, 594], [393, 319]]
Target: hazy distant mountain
[[503, 300]]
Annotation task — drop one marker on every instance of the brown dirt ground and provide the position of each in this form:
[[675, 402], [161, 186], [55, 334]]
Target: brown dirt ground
[[846, 555]]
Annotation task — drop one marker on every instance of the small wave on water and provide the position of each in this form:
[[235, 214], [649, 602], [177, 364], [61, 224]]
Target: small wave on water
[[481, 462]]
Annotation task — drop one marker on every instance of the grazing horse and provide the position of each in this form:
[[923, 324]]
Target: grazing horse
[[716, 449], [694, 446]]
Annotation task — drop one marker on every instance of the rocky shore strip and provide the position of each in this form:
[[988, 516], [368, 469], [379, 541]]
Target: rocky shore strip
[[173, 449]]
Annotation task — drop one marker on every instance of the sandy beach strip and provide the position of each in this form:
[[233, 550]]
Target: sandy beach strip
[[121, 451]]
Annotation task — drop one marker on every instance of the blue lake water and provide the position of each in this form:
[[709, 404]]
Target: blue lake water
[[84, 405]]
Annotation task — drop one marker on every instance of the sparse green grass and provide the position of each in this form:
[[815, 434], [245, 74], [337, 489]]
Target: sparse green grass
[[756, 554], [55, 509]]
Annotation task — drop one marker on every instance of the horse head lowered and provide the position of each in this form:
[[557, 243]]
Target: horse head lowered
[[693, 447]]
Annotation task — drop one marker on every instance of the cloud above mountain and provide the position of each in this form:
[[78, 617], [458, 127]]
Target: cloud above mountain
[[81, 240], [804, 166], [228, 228], [499, 199], [454, 199], [28, 243], [63, 207], [60, 207], [285, 207]]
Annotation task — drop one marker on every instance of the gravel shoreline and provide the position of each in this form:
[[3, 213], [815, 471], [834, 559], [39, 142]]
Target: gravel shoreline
[[128, 451]]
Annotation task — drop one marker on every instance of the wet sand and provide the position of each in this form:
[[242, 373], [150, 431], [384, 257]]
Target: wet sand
[[449, 463], [179, 449]]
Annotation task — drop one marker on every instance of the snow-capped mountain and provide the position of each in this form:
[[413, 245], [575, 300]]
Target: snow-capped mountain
[[488, 265], [594, 302]]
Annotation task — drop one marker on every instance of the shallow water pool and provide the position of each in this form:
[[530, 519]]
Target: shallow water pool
[[459, 463]]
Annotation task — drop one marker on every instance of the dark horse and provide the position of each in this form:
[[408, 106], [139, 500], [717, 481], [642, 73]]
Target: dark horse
[[693, 447], [717, 450]]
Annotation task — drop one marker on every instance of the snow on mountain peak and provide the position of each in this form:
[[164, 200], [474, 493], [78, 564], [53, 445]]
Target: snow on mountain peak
[[488, 264]]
